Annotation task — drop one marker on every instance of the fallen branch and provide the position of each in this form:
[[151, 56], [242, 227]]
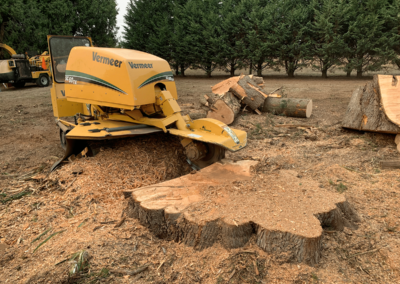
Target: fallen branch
[[131, 272], [393, 164], [120, 222], [16, 196], [365, 252], [295, 125]]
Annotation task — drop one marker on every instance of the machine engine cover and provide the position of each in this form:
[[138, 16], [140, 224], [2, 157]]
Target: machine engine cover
[[114, 77]]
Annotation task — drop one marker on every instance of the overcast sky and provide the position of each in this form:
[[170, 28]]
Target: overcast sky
[[121, 13]]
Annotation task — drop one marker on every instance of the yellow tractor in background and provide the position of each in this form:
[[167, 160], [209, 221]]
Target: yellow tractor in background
[[21, 69], [115, 93]]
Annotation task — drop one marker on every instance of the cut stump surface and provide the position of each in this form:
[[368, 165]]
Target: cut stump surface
[[228, 204]]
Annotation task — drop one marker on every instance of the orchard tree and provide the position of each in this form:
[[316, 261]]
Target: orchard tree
[[260, 44], [291, 32], [21, 30], [202, 19], [327, 33], [232, 32], [369, 37], [97, 19], [25, 24]]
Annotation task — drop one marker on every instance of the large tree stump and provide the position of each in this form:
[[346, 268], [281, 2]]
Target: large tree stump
[[365, 111], [249, 93], [289, 107], [225, 203], [224, 108], [388, 88]]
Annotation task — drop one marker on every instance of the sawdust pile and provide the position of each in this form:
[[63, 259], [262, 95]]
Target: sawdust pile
[[125, 164], [82, 202]]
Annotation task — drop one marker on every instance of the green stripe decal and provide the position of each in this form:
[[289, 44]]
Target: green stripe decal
[[79, 76], [161, 76]]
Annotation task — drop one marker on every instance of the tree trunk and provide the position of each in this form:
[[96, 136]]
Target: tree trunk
[[365, 111], [183, 69], [197, 113], [397, 61], [259, 69], [176, 68], [208, 70], [249, 93], [290, 69], [223, 108], [324, 73], [184, 210], [359, 73], [288, 107], [348, 73], [251, 68], [233, 68]]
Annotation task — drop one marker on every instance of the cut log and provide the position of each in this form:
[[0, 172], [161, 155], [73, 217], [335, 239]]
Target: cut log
[[225, 203], [395, 164], [247, 91], [257, 80], [197, 113], [397, 139], [365, 113], [225, 109], [289, 107], [224, 86]]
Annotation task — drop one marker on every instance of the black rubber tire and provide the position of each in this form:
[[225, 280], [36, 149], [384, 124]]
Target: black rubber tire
[[43, 80], [215, 153], [19, 84]]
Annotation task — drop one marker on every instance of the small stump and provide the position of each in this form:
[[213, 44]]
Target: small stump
[[228, 204]]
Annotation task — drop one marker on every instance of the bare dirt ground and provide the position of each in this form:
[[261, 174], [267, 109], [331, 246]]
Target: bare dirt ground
[[84, 211]]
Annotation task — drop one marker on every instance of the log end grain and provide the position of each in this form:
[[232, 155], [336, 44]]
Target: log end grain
[[226, 203], [309, 109]]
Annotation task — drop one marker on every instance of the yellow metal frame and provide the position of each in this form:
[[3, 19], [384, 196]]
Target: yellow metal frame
[[7, 48], [134, 101], [61, 106]]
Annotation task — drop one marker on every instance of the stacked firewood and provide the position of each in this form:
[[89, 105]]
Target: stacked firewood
[[237, 94]]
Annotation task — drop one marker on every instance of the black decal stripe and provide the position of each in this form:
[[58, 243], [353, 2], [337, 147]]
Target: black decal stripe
[[83, 77]]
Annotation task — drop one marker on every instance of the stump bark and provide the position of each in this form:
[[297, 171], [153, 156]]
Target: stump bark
[[249, 93], [224, 86], [289, 107], [366, 111], [225, 203], [197, 114]]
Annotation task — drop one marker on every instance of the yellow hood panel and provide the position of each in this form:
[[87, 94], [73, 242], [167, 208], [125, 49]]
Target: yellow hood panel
[[115, 77]]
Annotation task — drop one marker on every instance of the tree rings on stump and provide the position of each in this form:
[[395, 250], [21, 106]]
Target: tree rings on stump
[[225, 203]]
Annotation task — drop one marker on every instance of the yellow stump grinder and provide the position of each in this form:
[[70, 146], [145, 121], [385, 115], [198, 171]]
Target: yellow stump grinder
[[115, 93]]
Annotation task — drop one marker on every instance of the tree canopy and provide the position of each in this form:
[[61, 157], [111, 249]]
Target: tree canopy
[[360, 35], [25, 24]]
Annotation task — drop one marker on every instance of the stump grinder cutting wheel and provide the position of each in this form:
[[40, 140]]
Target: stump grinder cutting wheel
[[115, 93]]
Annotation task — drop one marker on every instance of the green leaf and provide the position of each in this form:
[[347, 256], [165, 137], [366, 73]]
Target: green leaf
[[45, 241], [41, 235]]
